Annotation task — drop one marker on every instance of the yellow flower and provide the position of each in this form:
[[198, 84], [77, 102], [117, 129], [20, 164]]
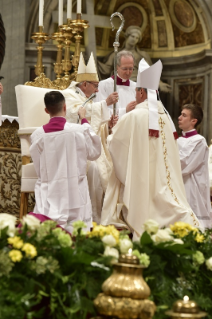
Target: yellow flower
[[15, 255], [16, 241], [30, 250], [182, 229], [199, 238], [101, 231]]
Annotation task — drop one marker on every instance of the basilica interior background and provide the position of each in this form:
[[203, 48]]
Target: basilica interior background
[[178, 32]]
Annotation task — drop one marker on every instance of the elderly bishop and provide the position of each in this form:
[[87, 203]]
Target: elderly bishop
[[146, 180], [82, 93]]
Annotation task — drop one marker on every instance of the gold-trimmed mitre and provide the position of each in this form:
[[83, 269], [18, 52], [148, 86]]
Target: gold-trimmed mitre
[[87, 72]]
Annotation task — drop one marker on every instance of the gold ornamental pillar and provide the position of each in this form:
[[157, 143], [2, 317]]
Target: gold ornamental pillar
[[66, 62], [40, 38], [78, 27], [58, 66]]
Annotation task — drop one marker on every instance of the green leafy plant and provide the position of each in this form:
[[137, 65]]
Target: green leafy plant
[[180, 264], [44, 273]]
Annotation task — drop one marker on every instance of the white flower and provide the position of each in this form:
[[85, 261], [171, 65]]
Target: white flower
[[209, 263], [178, 241], [109, 240], [125, 244], [162, 236], [198, 257], [95, 264], [7, 220], [151, 226], [143, 258], [168, 230], [32, 222], [113, 252]]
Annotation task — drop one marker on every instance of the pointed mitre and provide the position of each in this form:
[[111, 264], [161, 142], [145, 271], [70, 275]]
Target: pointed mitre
[[149, 78], [87, 72]]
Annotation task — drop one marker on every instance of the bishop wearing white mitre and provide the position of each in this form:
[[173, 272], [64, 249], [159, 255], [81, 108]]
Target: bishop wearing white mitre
[[146, 181], [81, 93]]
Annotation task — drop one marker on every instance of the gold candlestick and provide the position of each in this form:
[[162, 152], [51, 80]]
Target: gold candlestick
[[58, 66], [78, 27], [67, 64], [40, 38], [185, 308]]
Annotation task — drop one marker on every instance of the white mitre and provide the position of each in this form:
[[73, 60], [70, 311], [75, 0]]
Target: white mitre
[[87, 72], [149, 77]]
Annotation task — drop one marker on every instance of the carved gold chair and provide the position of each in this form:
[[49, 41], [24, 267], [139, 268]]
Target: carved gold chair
[[31, 114]]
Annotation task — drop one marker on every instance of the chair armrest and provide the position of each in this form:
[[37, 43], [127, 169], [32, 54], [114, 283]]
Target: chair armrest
[[26, 131], [24, 134]]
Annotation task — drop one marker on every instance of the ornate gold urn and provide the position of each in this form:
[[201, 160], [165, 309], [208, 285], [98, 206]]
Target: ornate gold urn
[[125, 292]]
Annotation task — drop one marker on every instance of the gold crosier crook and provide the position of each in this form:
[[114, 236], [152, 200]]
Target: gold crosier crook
[[116, 45]]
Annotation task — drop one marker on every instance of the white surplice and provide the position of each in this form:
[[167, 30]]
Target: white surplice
[[126, 94], [97, 113], [146, 181], [60, 160], [194, 163]]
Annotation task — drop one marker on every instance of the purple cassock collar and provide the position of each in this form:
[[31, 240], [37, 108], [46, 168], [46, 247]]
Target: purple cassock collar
[[119, 81], [189, 134], [55, 124]]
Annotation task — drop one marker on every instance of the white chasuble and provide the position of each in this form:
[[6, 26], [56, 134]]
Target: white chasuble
[[60, 160], [126, 94], [97, 113], [146, 181], [194, 163]]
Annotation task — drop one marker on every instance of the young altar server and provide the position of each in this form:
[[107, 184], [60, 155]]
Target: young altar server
[[146, 181], [60, 151], [194, 152]]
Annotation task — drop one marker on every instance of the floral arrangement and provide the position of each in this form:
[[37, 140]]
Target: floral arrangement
[[180, 264], [44, 273]]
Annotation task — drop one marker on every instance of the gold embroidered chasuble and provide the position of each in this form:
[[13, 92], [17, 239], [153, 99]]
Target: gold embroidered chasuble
[[146, 181]]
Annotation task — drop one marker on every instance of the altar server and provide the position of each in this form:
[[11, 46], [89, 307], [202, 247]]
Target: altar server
[[81, 93], [125, 87], [194, 152], [60, 151], [146, 181]]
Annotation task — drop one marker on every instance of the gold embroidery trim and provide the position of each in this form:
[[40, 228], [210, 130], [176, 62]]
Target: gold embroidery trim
[[168, 176]]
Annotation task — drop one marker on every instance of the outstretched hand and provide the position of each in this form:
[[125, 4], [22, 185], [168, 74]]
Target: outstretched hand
[[131, 106], [112, 98], [81, 113], [112, 122]]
